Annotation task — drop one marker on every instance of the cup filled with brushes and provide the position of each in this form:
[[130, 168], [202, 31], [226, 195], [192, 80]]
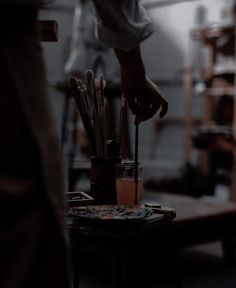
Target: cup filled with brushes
[[90, 101]]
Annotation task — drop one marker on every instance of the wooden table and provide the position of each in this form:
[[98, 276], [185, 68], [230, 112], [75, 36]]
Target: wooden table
[[200, 221], [196, 222], [123, 243]]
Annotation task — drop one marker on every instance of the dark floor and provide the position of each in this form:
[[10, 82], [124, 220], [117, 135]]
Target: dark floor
[[204, 267], [201, 267]]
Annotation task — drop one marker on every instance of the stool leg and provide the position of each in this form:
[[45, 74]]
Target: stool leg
[[75, 263], [174, 258], [229, 249], [119, 267]]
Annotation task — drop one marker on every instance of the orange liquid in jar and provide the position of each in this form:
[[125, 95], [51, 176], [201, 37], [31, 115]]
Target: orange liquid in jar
[[125, 191]]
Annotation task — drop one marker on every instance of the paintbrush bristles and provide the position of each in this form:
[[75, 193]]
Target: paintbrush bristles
[[89, 98]]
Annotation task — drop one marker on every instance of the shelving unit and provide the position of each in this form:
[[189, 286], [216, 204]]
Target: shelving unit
[[215, 137]]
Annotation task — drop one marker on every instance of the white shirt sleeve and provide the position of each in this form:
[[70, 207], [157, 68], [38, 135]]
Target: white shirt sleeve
[[122, 24], [32, 3]]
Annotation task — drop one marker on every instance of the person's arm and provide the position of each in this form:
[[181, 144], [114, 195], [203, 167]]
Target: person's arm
[[123, 25], [137, 86]]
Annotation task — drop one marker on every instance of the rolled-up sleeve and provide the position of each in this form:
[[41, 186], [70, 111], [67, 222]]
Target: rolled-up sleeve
[[122, 24]]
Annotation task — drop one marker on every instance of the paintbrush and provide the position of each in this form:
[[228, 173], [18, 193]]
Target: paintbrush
[[77, 93], [102, 84], [92, 93], [136, 155], [121, 123]]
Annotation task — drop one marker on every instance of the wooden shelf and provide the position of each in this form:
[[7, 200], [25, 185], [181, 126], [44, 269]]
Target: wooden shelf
[[218, 74], [217, 92], [216, 130], [211, 33], [221, 70]]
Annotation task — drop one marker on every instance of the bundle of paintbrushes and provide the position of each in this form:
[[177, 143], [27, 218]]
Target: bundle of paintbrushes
[[89, 98]]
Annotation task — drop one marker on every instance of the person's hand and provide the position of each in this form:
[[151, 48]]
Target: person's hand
[[142, 95], [143, 98]]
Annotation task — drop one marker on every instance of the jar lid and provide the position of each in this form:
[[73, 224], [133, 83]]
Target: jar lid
[[129, 163]]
